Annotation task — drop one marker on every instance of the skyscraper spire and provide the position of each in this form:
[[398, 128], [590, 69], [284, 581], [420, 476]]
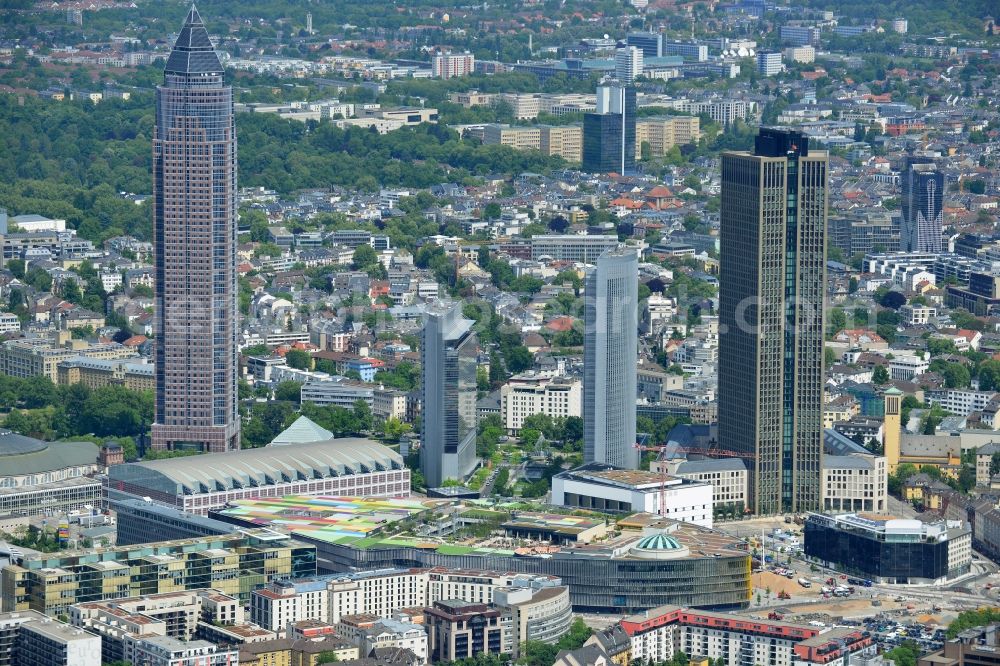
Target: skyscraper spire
[[193, 52]]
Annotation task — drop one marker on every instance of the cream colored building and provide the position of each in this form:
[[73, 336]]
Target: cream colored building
[[528, 394], [389, 403], [565, 141], [839, 410], [727, 476], [803, 54], [524, 106], [472, 98], [96, 373], [665, 132], [984, 456], [30, 357], [856, 482], [519, 138]]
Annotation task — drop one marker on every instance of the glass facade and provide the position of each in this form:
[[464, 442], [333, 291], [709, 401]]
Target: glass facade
[[235, 564], [863, 555], [609, 134], [773, 247], [449, 361], [921, 206], [611, 300], [596, 584]]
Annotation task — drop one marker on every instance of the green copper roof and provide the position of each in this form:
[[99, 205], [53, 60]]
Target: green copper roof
[[658, 542], [302, 431]]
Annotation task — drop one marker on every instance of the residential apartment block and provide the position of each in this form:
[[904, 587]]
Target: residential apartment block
[[661, 633], [528, 394], [123, 624], [29, 638], [380, 593], [51, 583]]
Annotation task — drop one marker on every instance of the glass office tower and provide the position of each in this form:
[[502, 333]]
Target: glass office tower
[[449, 357], [773, 265], [921, 206], [609, 133], [610, 348]]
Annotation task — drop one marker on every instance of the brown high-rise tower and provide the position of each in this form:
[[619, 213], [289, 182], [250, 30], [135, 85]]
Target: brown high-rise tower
[[194, 229], [771, 290]]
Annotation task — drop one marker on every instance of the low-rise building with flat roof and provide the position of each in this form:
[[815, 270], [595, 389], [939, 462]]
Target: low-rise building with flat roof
[[234, 564], [620, 572], [29, 638], [727, 476], [605, 488]]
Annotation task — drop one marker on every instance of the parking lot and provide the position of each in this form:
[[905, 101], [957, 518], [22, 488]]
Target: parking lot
[[892, 613]]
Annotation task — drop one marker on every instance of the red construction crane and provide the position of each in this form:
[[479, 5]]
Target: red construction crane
[[662, 450]]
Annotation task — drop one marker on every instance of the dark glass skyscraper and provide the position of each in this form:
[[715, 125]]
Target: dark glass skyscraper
[[922, 206], [773, 265], [194, 234], [609, 133]]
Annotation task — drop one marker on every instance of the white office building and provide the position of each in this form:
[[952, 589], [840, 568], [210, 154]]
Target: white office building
[[628, 64], [381, 593], [959, 402], [285, 602], [690, 51], [604, 488], [905, 368], [769, 63], [29, 638], [167, 651]]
